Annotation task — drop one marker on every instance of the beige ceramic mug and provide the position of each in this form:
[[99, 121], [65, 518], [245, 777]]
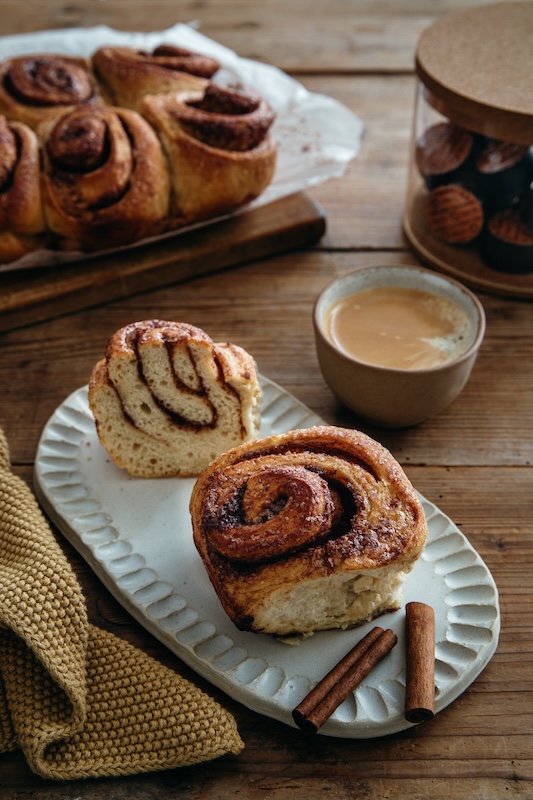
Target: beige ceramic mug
[[395, 396]]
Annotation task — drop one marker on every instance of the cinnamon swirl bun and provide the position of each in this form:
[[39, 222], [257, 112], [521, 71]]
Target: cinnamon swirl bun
[[105, 179], [220, 152], [307, 530], [21, 216], [130, 74], [35, 88], [167, 399]]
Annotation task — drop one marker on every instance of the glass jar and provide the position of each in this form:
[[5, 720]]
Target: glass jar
[[469, 206]]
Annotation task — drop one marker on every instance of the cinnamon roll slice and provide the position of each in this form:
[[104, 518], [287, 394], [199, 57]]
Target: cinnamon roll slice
[[308, 530], [21, 215], [40, 87], [219, 147], [129, 74], [167, 399], [105, 179]]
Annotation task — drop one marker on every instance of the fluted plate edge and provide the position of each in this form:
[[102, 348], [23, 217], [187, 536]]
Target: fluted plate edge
[[136, 536]]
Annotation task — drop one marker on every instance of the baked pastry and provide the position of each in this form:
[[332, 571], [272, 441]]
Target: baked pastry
[[307, 530], [35, 88], [21, 216], [220, 152], [167, 399], [111, 176], [130, 74], [105, 180]]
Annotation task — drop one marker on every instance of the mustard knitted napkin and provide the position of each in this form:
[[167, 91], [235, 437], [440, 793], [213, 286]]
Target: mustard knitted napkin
[[79, 701]]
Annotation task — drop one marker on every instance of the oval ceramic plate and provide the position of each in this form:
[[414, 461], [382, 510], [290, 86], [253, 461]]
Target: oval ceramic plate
[[136, 535]]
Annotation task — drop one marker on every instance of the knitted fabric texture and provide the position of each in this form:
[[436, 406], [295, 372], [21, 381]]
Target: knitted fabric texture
[[79, 701]]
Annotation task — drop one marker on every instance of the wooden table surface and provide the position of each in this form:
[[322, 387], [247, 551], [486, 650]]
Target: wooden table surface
[[474, 460]]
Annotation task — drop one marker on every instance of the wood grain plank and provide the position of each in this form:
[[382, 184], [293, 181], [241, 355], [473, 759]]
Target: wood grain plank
[[473, 460], [318, 36], [34, 295], [365, 206], [271, 316]]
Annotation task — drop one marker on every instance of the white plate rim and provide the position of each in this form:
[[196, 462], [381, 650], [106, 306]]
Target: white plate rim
[[469, 613]]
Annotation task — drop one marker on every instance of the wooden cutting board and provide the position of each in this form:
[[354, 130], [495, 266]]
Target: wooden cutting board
[[33, 295]]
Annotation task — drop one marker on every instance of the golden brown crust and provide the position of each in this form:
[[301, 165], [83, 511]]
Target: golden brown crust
[[21, 215], [218, 145], [299, 507], [130, 74], [40, 87], [105, 181]]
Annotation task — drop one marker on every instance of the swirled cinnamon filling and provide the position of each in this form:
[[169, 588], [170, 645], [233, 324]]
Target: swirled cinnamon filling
[[310, 494], [227, 118], [99, 146], [167, 400], [182, 60], [188, 382], [267, 510], [48, 80], [80, 144]]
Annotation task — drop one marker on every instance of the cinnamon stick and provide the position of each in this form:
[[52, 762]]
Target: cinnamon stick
[[335, 687], [420, 663]]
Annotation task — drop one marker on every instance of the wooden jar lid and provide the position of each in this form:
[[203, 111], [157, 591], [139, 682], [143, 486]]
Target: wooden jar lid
[[477, 67]]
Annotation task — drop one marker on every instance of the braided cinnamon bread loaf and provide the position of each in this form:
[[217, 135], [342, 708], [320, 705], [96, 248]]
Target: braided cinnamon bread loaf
[[308, 530], [167, 399]]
